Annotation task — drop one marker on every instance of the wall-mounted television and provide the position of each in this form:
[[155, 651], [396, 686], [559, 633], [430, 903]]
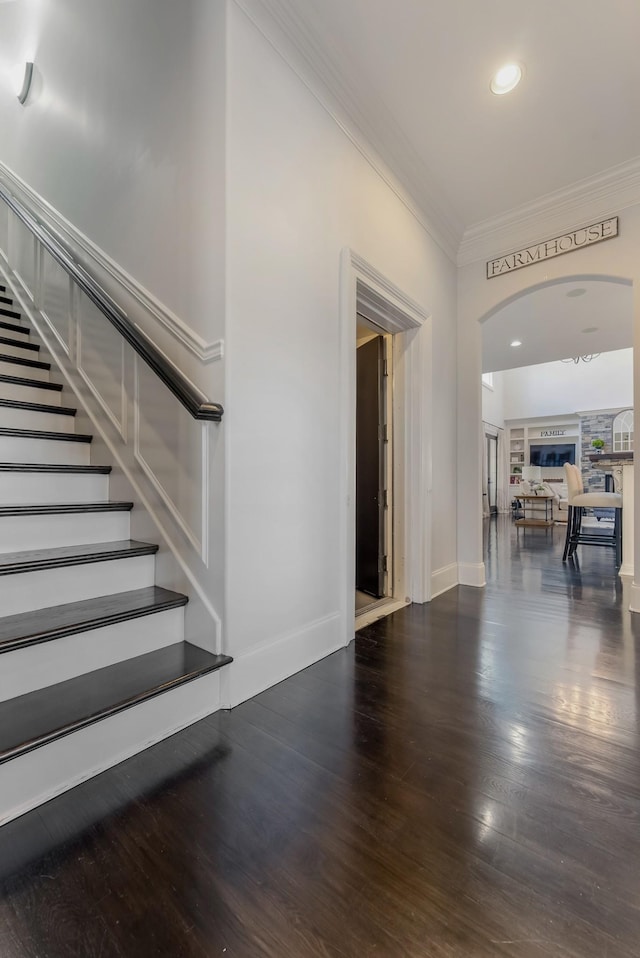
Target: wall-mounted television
[[552, 454]]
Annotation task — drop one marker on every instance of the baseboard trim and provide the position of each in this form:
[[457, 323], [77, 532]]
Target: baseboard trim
[[444, 579], [472, 573], [277, 659], [634, 605]]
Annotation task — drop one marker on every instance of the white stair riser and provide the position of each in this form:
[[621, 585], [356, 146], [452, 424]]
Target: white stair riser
[[39, 666], [19, 533], [26, 591], [45, 772], [52, 397], [24, 372], [51, 451], [18, 350], [13, 418], [22, 488]]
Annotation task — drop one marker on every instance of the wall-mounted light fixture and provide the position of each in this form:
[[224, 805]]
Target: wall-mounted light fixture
[[22, 89]]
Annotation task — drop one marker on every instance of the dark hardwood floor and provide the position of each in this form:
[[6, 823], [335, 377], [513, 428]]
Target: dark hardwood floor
[[463, 781]]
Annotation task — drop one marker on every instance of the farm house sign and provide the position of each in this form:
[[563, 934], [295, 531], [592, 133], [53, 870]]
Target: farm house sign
[[566, 243]]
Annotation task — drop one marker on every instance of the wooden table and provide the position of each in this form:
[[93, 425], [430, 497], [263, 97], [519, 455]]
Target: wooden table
[[532, 520]]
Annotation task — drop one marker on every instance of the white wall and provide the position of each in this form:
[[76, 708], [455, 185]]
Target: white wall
[[299, 191], [553, 389], [493, 401], [124, 135]]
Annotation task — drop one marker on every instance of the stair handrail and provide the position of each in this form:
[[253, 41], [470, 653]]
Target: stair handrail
[[192, 398]]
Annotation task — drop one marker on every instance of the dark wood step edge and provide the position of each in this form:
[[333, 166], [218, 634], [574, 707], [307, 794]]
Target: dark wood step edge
[[217, 661], [7, 341], [31, 383], [19, 361], [64, 509], [9, 312], [174, 600], [14, 328], [38, 407], [52, 467], [45, 434], [54, 561], [5, 300]]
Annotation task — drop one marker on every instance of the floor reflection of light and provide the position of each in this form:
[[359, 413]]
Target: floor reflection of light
[[486, 823], [589, 708], [517, 742]]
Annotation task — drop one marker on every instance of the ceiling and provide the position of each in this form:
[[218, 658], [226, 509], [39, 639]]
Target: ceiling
[[551, 324], [415, 77]]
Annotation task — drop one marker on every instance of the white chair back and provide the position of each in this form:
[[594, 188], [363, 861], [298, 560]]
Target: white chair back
[[575, 486]]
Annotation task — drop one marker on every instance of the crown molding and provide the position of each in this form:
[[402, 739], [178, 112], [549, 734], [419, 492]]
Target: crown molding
[[587, 200], [377, 138]]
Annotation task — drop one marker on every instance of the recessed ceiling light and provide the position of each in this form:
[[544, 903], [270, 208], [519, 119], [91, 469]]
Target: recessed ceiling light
[[576, 292], [516, 342], [506, 79], [590, 329]]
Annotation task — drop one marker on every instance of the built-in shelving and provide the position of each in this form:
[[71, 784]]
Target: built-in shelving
[[517, 444], [542, 431]]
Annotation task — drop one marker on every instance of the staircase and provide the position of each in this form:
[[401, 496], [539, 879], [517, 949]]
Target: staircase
[[93, 662]]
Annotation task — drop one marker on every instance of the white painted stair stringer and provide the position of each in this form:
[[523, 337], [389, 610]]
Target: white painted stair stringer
[[40, 775], [26, 591], [47, 663]]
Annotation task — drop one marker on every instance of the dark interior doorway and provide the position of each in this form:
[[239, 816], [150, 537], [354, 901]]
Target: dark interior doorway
[[370, 468]]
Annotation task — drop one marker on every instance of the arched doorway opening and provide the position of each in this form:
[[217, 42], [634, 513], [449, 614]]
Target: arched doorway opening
[[551, 345]]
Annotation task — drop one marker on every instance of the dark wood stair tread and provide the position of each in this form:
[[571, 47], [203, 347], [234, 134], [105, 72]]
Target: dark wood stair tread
[[34, 383], [38, 407], [43, 625], [12, 563], [63, 508], [52, 467], [44, 434], [19, 361], [33, 720], [5, 300], [14, 328], [9, 312], [7, 341]]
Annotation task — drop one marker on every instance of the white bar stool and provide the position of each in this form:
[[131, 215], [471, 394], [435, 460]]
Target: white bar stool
[[579, 500]]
